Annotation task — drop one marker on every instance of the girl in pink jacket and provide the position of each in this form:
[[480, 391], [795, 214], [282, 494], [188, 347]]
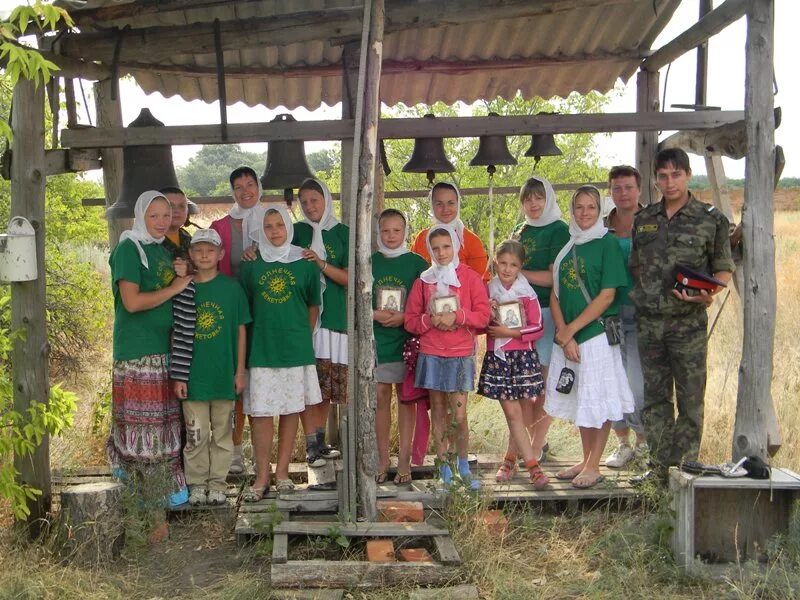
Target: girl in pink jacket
[[447, 304]]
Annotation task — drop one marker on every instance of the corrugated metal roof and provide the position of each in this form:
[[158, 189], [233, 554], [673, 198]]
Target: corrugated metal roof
[[620, 31]]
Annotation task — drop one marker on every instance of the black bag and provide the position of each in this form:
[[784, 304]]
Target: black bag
[[611, 325]]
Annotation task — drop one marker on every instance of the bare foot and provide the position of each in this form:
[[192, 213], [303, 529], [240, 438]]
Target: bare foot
[[571, 473], [587, 479], [159, 533]]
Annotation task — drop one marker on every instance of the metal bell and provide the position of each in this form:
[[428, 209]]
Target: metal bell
[[287, 167], [143, 168], [492, 150], [428, 157], [543, 145]]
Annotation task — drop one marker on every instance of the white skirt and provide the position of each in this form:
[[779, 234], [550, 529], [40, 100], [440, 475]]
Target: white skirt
[[600, 391], [274, 392], [331, 345]]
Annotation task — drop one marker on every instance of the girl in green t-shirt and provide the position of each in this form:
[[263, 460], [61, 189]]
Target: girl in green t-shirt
[[284, 293], [394, 271], [587, 382], [146, 423]]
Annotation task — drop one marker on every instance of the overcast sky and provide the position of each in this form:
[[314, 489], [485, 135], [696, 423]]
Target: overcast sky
[[725, 89]]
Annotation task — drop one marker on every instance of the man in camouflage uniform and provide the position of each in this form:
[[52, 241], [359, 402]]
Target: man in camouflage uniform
[[672, 325]]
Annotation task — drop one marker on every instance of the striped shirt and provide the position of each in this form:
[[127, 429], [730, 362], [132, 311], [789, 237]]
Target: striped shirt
[[184, 315]]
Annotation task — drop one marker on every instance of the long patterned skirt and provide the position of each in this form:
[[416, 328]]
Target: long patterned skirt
[[145, 419]]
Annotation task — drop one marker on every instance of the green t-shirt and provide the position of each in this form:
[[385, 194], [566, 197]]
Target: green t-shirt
[[145, 332], [334, 298], [602, 267], [221, 308], [542, 245], [279, 295], [400, 271]]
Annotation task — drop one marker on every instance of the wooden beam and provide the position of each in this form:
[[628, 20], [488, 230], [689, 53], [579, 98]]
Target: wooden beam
[[718, 19], [69, 67], [340, 24], [109, 115], [647, 105], [397, 128], [30, 349], [756, 430], [72, 161], [103, 15]]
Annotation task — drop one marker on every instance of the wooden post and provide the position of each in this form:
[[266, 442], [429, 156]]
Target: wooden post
[[109, 114], [756, 432], [722, 200], [647, 86], [365, 156], [30, 349]]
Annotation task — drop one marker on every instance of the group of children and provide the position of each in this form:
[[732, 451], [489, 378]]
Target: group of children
[[259, 311]]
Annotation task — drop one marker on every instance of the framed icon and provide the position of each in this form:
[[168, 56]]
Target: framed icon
[[445, 304], [391, 298], [510, 314]]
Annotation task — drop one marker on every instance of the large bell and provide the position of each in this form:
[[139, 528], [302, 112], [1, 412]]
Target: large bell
[[428, 157], [143, 168], [287, 167], [492, 150], [543, 144]]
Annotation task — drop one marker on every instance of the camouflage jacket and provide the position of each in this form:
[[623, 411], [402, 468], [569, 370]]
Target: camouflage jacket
[[181, 251], [695, 236]]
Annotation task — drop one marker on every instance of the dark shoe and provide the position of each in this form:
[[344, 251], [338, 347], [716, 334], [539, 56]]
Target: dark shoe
[[315, 460], [329, 452], [649, 477]]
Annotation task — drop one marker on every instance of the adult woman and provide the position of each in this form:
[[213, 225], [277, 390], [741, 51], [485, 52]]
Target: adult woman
[[145, 427], [232, 229], [587, 383], [445, 202]]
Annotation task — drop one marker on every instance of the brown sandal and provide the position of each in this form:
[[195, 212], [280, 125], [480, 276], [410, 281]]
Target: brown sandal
[[538, 477], [381, 477], [402, 478], [507, 469]]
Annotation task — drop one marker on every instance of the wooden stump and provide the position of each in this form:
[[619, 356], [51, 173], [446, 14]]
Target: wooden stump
[[92, 521]]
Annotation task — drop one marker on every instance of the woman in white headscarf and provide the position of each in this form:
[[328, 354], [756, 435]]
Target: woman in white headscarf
[[587, 383], [284, 293], [146, 424], [445, 201], [326, 243], [232, 230]]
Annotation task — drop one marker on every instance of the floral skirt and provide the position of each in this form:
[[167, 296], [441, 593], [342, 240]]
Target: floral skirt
[[145, 417], [516, 378]]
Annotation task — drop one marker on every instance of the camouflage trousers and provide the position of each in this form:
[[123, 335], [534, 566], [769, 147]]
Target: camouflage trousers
[[673, 356]]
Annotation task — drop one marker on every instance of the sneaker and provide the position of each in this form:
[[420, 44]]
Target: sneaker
[[315, 460], [237, 465], [197, 496], [215, 498], [620, 457], [329, 452], [642, 452]]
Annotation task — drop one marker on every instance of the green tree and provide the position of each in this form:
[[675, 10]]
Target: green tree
[[207, 172]]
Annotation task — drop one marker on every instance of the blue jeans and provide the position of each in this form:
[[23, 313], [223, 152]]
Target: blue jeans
[[633, 370]]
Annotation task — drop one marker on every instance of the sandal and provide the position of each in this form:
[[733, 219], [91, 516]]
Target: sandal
[[569, 474], [381, 477], [585, 484], [506, 471], [253, 494], [284, 485], [403, 478], [538, 477]]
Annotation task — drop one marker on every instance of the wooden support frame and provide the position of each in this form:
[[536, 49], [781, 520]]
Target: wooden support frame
[[407, 128], [29, 353], [647, 103], [109, 115], [756, 430]]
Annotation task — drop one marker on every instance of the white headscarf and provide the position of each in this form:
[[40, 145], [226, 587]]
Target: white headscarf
[[138, 233], [327, 222], [578, 236], [237, 212], [393, 252], [457, 224], [497, 291], [443, 276], [286, 252], [551, 212]]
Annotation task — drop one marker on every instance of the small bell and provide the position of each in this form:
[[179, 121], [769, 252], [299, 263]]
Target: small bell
[[543, 144], [143, 168], [287, 167], [428, 157]]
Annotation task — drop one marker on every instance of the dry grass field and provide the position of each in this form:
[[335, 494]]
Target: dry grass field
[[595, 554]]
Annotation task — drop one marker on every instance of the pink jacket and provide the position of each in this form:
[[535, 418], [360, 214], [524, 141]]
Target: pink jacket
[[472, 315], [533, 330], [223, 228]]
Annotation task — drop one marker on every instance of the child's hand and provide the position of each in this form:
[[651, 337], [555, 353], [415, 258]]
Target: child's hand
[[444, 322], [310, 256], [179, 387], [501, 331], [250, 254], [390, 318], [239, 383], [180, 283], [181, 266]]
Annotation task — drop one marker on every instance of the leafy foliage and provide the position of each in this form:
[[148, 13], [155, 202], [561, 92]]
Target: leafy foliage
[[207, 172]]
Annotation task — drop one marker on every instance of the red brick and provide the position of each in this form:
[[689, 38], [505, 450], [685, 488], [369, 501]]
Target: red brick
[[380, 551], [415, 555], [394, 511], [495, 522]]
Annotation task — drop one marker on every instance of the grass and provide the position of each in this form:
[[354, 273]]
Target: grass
[[597, 554]]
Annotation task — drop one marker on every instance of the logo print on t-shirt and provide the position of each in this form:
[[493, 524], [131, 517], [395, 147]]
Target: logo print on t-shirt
[[330, 251], [277, 285], [164, 274], [568, 275], [209, 320]]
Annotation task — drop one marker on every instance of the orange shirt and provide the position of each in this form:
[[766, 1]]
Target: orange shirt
[[472, 252]]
